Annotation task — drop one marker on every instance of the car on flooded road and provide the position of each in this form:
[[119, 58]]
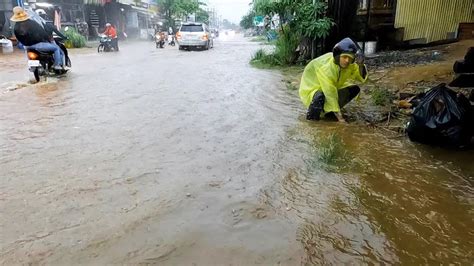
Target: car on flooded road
[[194, 35]]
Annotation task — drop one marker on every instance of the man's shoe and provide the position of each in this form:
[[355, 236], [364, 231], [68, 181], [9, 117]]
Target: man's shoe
[[316, 107], [314, 113]]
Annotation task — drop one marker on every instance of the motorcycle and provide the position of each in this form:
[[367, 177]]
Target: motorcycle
[[41, 63], [171, 40], [160, 39], [105, 44]]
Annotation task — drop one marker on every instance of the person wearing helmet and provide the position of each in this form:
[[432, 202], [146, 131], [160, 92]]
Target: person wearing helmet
[[326, 85], [112, 33], [50, 28]]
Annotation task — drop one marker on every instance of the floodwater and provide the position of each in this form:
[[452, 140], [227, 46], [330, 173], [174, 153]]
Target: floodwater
[[169, 157]]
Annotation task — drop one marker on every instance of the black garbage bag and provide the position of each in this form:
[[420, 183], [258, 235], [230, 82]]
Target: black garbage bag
[[469, 57], [462, 66], [442, 118], [463, 81]]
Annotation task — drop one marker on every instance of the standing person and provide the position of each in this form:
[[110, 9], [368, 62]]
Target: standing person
[[112, 33], [31, 34], [326, 85]]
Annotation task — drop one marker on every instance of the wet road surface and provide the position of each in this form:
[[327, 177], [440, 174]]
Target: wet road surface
[[169, 157]]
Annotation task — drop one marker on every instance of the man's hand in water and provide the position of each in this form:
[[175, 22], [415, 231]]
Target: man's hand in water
[[340, 118]]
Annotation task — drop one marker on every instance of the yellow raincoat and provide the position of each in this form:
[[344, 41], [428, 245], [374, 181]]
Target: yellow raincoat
[[324, 74]]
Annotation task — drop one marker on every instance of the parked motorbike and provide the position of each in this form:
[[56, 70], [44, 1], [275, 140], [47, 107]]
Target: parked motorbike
[[105, 44], [160, 39], [41, 63]]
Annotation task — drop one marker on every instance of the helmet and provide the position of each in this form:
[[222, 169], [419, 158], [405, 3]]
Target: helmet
[[346, 46], [108, 24], [40, 12]]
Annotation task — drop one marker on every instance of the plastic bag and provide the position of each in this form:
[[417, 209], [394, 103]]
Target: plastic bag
[[6, 46], [442, 118]]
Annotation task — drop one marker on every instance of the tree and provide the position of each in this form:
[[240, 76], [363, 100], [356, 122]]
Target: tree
[[306, 19], [186, 7], [172, 10], [202, 16], [167, 10], [247, 20]]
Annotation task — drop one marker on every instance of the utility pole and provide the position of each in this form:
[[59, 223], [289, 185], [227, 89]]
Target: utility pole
[[312, 40], [369, 6]]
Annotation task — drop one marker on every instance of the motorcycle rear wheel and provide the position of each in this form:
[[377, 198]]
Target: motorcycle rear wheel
[[37, 75]]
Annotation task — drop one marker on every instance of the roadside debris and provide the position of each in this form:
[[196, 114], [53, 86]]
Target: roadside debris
[[443, 118], [464, 70], [403, 58]]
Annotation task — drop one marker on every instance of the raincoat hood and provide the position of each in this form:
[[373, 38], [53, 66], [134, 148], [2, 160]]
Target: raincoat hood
[[345, 46]]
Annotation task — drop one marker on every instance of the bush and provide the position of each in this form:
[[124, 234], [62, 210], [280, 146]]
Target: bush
[[286, 45], [285, 51], [380, 96], [75, 40], [259, 55], [259, 39], [331, 149], [262, 59]]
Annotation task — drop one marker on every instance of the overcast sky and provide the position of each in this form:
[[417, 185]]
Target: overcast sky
[[233, 10]]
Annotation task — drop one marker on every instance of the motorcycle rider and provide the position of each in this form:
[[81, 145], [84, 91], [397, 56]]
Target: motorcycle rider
[[31, 34], [170, 36], [160, 36], [112, 33], [49, 27]]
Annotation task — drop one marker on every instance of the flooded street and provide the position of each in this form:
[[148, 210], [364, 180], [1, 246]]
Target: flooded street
[[161, 156]]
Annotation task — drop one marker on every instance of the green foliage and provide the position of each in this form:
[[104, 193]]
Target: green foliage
[[380, 96], [300, 20], [331, 150], [75, 40], [172, 10], [309, 21], [291, 86], [285, 51], [286, 45], [303, 16], [185, 7], [263, 59], [202, 16], [247, 20], [259, 39], [259, 55]]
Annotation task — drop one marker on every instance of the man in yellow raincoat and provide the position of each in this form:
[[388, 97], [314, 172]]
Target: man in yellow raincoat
[[327, 82]]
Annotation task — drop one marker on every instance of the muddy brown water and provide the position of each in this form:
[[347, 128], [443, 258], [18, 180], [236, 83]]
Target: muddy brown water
[[167, 157]]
